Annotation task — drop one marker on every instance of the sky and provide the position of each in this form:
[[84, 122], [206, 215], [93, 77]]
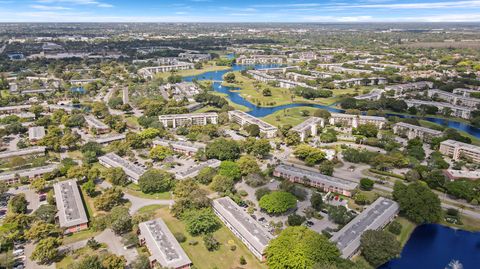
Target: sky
[[240, 11]]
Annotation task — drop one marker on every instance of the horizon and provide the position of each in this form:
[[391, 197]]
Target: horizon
[[249, 11]]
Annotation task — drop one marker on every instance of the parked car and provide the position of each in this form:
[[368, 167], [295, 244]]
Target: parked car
[[18, 252]]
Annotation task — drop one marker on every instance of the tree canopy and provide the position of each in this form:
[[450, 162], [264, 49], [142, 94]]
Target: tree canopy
[[278, 202], [417, 202], [154, 180], [378, 247]]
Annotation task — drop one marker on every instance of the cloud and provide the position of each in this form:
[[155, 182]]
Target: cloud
[[43, 7]]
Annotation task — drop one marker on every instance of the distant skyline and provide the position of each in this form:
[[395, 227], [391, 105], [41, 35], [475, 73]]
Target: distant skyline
[[239, 11]]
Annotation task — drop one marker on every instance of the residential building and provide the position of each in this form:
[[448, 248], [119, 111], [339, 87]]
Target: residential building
[[456, 111], [36, 133], [461, 174], [454, 99], [315, 179], [375, 217], [356, 120], [178, 120], [308, 127], [96, 126], [125, 98], [261, 59], [14, 109], [149, 72], [31, 151], [244, 119], [106, 139], [465, 92], [247, 229], [374, 95], [412, 131], [184, 147], [401, 89], [133, 171], [193, 171], [289, 84], [261, 76], [12, 177], [195, 57], [458, 150], [71, 213], [164, 249], [359, 82], [180, 91]]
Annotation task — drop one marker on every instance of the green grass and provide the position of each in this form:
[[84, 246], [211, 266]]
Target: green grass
[[68, 260], [132, 121], [134, 190], [236, 106], [204, 259], [407, 229], [149, 209], [437, 126], [468, 223], [79, 236], [292, 116]]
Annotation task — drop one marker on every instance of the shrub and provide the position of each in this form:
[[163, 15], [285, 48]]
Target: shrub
[[395, 228], [180, 237], [210, 242]]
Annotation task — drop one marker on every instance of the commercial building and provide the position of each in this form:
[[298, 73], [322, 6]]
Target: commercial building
[[248, 230], [133, 171], [178, 120], [412, 131], [71, 213], [193, 171], [96, 126], [36, 133], [184, 147], [456, 111], [375, 217], [356, 120], [164, 249], [308, 127], [458, 150], [31, 151], [315, 179], [454, 99], [244, 119], [12, 177]]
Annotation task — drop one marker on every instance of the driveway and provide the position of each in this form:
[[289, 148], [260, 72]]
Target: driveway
[[113, 241], [29, 264], [31, 196]]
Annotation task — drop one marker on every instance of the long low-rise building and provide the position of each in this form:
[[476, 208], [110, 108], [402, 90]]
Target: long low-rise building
[[183, 147], [164, 249], [133, 171], [14, 109], [315, 179], [12, 177], [458, 150], [411, 131], [356, 120], [105, 139], [401, 89], [31, 151], [95, 125], [193, 171], [71, 213], [251, 232], [465, 92], [453, 98], [244, 119], [36, 133], [261, 59], [149, 72], [375, 217], [178, 120], [457, 111]]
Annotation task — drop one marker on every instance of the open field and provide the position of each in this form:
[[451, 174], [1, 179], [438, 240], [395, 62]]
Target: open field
[[292, 116], [223, 258]]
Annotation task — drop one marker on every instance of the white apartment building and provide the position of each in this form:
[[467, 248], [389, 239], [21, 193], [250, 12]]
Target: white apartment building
[[457, 111], [454, 99], [356, 120], [457, 150], [133, 171], [178, 120], [412, 131], [244, 119], [308, 127], [261, 59], [95, 125]]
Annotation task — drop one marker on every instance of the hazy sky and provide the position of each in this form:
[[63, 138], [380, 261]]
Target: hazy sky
[[239, 11]]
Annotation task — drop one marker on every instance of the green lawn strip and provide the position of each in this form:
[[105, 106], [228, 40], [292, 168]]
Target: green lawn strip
[[433, 125], [134, 190], [291, 116], [194, 72], [204, 259], [407, 229]]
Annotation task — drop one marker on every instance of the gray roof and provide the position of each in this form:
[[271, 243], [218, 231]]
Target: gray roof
[[132, 170], [461, 145], [251, 230], [22, 152], [162, 245], [316, 176], [376, 216], [420, 128], [17, 108], [69, 204], [95, 123], [36, 132], [252, 120], [180, 116], [36, 171], [108, 138], [184, 145], [306, 124], [194, 170]]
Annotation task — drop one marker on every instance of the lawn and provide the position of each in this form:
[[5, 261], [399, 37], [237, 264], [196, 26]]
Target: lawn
[[292, 116], [79, 236], [407, 229], [469, 224], [132, 121], [134, 190], [68, 260], [224, 258], [210, 66], [236, 106], [436, 126]]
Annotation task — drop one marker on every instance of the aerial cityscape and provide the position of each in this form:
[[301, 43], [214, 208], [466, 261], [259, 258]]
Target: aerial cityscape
[[211, 134]]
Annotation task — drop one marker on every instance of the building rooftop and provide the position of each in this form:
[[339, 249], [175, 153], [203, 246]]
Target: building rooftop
[[458, 144], [162, 245], [22, 152], [109, 138], [374, 217], [193, 115], [36, 132], [306, 124], [132, 170], [69, 204], [420, 128], [194, 170], [362, 117], [251, 230], [95, 123], [179, 144], [316, 176], [253, 120], [20, 107], [28, 172]]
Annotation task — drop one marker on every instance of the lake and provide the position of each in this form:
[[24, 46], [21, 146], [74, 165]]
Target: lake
[[435, 246]]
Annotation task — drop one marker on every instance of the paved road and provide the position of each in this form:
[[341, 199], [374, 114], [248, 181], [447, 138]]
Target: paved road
[[29, 264], [113, 241], [30, 195]]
